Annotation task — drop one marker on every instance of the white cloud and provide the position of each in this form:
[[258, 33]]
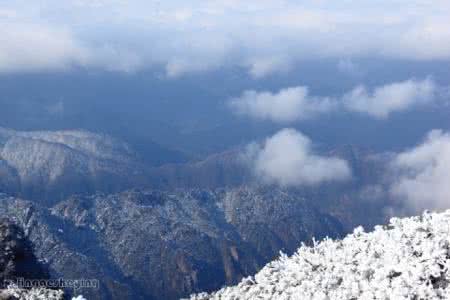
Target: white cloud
[[264, 36], [261, 67], [390, 98], [295, 104], [287, 105], [422, 174], [29, 47], [287, 159]]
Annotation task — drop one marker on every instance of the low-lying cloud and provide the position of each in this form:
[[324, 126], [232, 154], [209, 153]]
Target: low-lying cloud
[[296, 104], [288, 105], [384, 100], [287, 159], [422, 174]]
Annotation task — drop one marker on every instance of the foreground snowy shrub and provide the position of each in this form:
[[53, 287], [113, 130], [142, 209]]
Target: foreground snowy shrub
[[13, 292], [408, 259]]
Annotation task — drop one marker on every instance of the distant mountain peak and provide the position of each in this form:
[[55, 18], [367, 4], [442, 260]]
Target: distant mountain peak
[[54, 164]]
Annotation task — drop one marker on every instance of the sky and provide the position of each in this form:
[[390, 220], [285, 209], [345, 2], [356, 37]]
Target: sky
[[182, 37]]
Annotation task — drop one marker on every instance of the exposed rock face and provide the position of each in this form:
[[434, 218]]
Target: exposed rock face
[[51, 165], [62, 251], [165, 245], [17, 262], [16, 255]]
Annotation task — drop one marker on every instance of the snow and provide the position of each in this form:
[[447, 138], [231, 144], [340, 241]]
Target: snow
[[407, 259], [14, 292]]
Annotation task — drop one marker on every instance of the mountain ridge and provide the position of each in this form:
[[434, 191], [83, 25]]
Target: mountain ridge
[[153, 244]]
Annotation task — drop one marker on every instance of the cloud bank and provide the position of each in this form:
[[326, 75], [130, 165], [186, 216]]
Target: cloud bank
[[263, 36], [295, 104], [287, 159], [32, 47]]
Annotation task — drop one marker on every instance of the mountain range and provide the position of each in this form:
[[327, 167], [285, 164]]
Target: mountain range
[[93, 208]]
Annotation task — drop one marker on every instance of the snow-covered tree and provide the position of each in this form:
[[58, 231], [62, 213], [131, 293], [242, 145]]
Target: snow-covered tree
[[407, 259]]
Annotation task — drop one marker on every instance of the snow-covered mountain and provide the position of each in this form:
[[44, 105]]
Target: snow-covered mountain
[[407, 259], [166, 244], [54, 164]]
